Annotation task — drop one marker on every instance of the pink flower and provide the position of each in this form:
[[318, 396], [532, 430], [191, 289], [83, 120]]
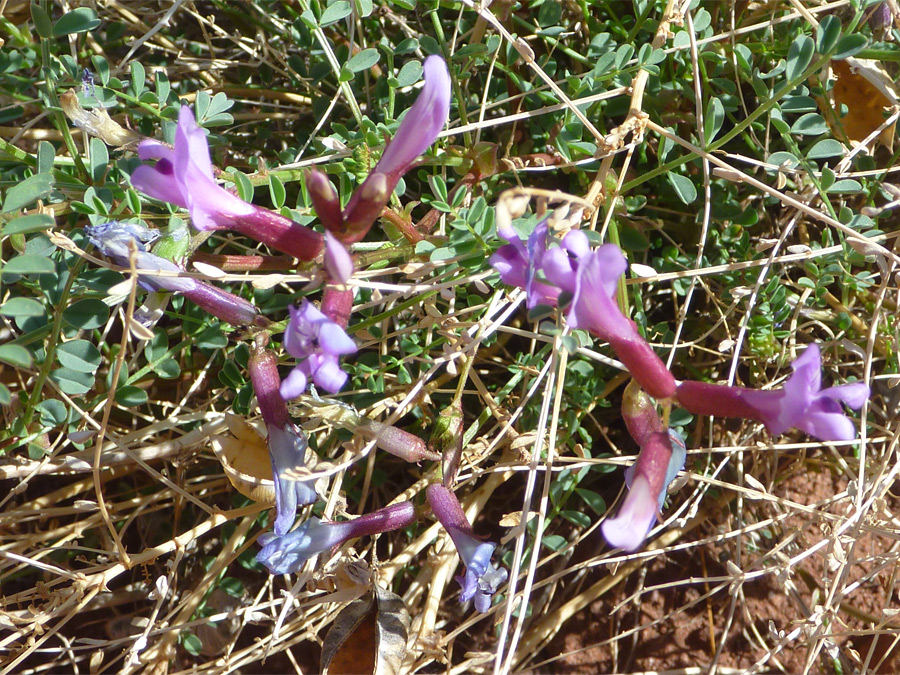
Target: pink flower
[[519, 264], [417, 131], [285, 554], [657, 465], [482, 579], [183, 175], [801, 403]]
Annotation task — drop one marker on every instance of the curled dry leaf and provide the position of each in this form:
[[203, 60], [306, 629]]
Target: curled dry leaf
[[368, 636], [245, 457], [97, 122]]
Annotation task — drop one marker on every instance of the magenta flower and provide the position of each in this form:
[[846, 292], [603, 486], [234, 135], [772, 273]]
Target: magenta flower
[[801, 403], [183, 175], [287, 444], [657, 465], [482, 579], [519, 264], [286, 554], [116, 240], [417, 131], [317, 342]]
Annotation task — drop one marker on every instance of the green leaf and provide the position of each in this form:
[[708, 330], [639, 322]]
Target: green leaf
[[276, 191], [846, 186], [30, 263], [799, 55], [577, 518], [715, 116], [15, 355], [824, 149], [79, 355], [192, 644], [87, 313], [363, 60], [99, 159], [810, 124], [72, 382], [849, 45], [335, 12], [5, 396], [79, 20], [828, 33], [42, 24], [22, 307], [130, 396], [593, 500], [409, 74], [684, 187], [53, 412], [168, 369], [25, 224], [554, 542], [28, 191]]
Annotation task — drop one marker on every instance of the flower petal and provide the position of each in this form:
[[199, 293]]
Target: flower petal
[[422, 122], [629, 528], [293, 385]]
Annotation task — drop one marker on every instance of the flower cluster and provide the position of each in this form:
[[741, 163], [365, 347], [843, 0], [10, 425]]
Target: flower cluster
[[584, 283], [417, 131]]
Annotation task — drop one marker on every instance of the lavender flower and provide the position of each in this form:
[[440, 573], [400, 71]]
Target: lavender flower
[[801, 403], [518, 264], [417, 131], [121, 241], [647, 480], [317, 342], [482, 579], [286, 554], [183, 175], [287, 443]]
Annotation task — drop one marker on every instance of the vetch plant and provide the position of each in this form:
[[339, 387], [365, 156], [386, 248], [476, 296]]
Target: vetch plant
[[317, 343], [657, 465], [124, 242], [286, 554], [482, 579], [801, 403], [183, 175], [287, 444], [417, 131]]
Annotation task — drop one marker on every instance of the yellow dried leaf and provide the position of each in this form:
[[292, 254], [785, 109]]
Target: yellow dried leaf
[[865, 106]]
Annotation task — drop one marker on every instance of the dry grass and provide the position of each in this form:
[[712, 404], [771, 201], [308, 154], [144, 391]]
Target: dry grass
[[109, 554]]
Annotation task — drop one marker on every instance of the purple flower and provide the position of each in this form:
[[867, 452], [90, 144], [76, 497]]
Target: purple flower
[[592, 277], [801, 403], [338, 263], [121, 241], [656, 466], [417, 131], [482, 579], [286, 554], [287, 451], [317, 342], [422, 122], [518, 264], [287, 444], [183, 175]]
